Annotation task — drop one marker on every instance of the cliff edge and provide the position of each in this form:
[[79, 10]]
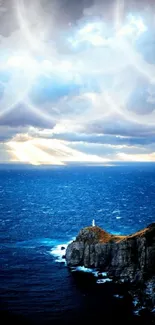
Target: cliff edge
[[131, 258]]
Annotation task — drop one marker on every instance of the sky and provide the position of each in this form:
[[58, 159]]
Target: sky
[[77, 81]]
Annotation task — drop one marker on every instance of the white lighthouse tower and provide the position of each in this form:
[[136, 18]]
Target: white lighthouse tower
[[93, 223]]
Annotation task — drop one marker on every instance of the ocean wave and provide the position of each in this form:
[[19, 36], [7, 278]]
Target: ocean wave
[[59, 251], [96, 273], [85, 270], [116, 211], [119, 296], [102, 277], [104, 274], [101, 281]]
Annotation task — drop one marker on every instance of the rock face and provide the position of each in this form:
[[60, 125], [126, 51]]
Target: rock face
[[123, 257]]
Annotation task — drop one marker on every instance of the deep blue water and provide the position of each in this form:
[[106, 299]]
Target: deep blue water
[[40, 209]]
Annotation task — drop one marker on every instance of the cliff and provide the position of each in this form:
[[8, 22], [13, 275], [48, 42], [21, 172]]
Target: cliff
[[130, 258]]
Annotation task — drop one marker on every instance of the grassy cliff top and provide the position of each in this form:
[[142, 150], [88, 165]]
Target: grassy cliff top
[[97, 235], [93, 235], [148, 232]]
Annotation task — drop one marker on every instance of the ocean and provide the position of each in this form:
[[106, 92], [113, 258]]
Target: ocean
[[41, 210]]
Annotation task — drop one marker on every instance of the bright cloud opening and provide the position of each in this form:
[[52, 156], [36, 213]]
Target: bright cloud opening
[[134, 27]]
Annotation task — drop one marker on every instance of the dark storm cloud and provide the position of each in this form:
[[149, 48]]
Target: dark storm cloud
[[6, 132], [22, 116], [73, 10], [64, 12], [8, 21]]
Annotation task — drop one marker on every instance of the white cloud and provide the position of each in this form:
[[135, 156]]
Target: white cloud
[[101, 62]]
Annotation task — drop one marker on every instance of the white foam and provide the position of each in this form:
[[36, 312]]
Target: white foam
[[104, 273], [116, 211], [59, 251], [95, 273], [83, 269], [118, 296], [137, 311], [100, 281], [118, 217], [60, 260], [135, 301]]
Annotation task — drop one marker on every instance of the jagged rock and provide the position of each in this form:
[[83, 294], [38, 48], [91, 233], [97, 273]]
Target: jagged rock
[[123, 257]]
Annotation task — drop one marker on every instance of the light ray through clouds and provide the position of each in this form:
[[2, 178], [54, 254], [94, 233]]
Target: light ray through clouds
[[55, 152], [118, 14], [95, 57], [34, 40], [20, 82], [28, 152]]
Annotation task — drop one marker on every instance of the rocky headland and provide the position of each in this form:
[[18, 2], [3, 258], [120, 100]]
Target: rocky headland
[[124, 258]]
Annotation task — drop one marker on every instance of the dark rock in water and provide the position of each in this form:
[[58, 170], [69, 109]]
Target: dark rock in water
[[62, 248], [130, 258], [64, 256]]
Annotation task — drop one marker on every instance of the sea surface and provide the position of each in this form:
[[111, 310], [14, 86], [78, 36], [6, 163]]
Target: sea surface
[[41, 210]]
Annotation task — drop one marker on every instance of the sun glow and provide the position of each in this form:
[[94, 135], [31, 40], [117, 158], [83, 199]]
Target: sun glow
[[49, 151], [28, 152], [134, 27], [96, 33]]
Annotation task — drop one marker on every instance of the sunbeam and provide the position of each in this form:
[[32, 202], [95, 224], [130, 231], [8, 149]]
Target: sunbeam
[[34, 40], [118, 14], [19, 85]]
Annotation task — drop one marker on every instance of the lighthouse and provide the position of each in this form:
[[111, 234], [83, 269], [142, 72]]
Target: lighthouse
[[93, 223]]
